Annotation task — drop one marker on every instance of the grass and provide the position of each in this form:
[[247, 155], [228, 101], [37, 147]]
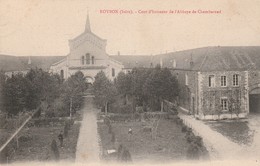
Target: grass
[[169, 145], [36, 144], [235, 130]]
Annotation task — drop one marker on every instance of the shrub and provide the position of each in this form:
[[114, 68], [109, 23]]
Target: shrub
[[107, 121], [193, 152], [4, 154], [109, 129], [190, 137], [113, 137], [179, 121], [55, 150], [126, 156], [119, 152], [66, 129], [198, 141], [184, 128]]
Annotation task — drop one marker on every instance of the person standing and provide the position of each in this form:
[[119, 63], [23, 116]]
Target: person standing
[[130, 133], [60, 137]]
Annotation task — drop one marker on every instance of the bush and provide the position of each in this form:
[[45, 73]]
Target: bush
[[55, 150], [113, 138], [66, 129], [126, 156], [119, 108], [198, 141], [184, 128], [190, 137], [109, 129], [107, 121], [193, 152], [119, 152]]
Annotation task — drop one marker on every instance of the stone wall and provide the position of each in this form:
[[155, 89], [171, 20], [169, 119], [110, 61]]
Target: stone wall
[[188, 81], [210, 97]]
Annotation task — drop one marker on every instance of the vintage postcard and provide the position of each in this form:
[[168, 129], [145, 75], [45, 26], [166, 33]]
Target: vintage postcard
[[93, 82]]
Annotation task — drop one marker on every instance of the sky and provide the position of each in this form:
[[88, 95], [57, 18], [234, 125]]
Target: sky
[[43, 27]]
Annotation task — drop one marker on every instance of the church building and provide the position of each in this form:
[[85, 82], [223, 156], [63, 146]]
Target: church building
[[88, 55]]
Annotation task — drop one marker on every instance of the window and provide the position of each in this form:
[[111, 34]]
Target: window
[[92, 60], [223, 81], [113, 72], [82, 60], [186, 79], [87, 59], [211, 81], [235, 80], [224, 104]]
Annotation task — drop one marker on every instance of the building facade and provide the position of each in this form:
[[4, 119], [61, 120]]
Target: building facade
[[211, 91], [88, 55]]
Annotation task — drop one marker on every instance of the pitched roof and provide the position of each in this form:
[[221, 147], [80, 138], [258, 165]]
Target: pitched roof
[[204, 59], [216, 58], [20, 63]]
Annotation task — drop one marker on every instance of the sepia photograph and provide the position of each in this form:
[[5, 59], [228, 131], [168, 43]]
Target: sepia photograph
[[97, 82]]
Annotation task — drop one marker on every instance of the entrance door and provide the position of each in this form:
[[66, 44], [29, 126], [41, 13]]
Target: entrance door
[[254, 101]]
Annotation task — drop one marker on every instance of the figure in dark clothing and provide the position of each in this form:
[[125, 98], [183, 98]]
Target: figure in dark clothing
[[60, 137]]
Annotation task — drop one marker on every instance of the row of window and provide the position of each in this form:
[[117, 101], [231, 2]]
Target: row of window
[[223, 80], [87, 60]]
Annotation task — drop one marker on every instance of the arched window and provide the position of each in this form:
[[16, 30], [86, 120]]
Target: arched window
[[92, 60], [87, 59], [82, 60]]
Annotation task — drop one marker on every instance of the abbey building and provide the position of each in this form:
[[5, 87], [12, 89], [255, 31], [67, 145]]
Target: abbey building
[[88, 55]]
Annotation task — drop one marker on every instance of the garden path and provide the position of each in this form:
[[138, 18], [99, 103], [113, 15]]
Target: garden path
[[219, 147], [87, 146], [253, 151]]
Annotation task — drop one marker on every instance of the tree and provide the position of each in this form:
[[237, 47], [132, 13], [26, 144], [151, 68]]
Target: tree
[[2, 83], [73, 89], [123, 84], [161, 85], [44, 87], [104, 90], [15, 93]]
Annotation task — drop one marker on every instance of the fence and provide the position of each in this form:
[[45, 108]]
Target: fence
[[3, 149]]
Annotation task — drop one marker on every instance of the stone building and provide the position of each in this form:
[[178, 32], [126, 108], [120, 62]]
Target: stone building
[[218, 82], [88, 55]]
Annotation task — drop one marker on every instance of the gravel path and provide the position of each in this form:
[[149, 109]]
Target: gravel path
[[88, 147], [253, 151], [219, 147]]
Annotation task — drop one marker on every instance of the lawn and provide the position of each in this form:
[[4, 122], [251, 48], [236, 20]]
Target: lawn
[[235, 130], [170, 143], [35, 144]]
